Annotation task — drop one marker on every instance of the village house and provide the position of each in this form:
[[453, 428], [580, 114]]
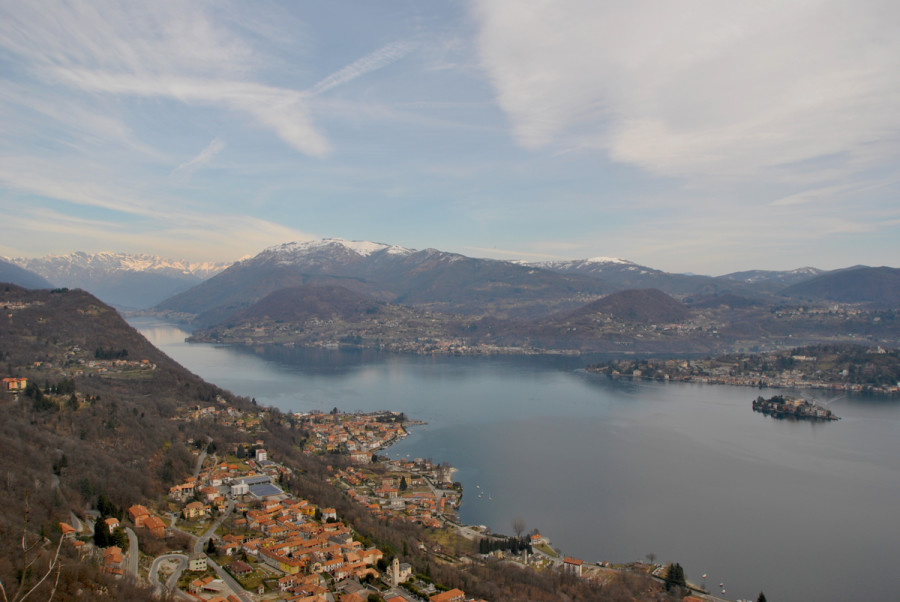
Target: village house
[[197, 563], [454, 595], [15, 384], [199, 584], [112, 560], [138, 514], [155, 525], [112, 524], [195, 510], [572, 565], [239, 569]]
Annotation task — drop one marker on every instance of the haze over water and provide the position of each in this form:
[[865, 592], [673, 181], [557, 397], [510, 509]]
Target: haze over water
[[616, 470]]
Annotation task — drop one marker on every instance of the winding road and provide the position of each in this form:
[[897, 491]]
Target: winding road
[[161, 589]]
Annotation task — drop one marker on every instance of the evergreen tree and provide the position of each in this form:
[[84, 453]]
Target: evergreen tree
[[675, 576], [101, 533], [761, 598]]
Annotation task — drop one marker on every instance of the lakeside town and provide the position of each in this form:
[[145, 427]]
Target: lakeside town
[[246, 537], [870, 370]]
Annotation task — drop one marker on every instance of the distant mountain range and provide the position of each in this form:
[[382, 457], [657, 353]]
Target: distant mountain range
[[430, 280], [621, 274], [369, 294], [135, 281], [10, 272]]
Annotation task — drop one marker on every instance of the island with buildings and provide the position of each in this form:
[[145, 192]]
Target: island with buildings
[[792, 407]]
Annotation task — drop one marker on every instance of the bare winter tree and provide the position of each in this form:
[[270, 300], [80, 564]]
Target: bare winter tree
[[518, 525], [31, 553]]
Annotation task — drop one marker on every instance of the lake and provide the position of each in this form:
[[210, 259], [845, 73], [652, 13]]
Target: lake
[[619, 469]]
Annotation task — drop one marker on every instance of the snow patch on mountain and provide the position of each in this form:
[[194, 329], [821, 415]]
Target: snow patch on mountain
[[592, 263], [56, 266], [606, 260], [292, 252]]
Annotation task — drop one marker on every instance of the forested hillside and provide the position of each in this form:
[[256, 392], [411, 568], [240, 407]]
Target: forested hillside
[[93, 421]]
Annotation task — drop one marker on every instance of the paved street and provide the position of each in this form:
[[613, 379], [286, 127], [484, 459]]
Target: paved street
[[161, 589], [131, 559]]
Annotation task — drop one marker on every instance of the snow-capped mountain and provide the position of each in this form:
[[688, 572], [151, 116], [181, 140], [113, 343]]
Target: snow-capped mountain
[[782, 278], [428, 279], [624, 274], [326, 250], [593, 265], [76, 265], [14, 274], [121, 279]]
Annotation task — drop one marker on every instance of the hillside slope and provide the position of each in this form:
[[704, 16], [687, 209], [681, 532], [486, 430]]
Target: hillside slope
[[878, 287], [10, 272], [87, 426]]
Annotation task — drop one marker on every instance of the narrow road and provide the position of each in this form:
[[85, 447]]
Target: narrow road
[[131, 559], [172, 581], [200, 459], [159, 588], [236, 588], [199, 544], [201, 541], [76, 523]]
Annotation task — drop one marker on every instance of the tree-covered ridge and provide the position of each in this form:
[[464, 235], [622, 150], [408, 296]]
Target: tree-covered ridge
[[84, 433]]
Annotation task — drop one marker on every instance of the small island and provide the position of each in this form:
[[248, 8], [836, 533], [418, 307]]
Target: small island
[[792, 407]]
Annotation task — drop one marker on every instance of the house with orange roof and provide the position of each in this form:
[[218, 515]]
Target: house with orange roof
[[197, 585], [155, 525], [454, 595], [15, 384], [112, 560], [304, 598], [195, 510], [138, 514], [371, 556], [112, 523], [573, 565], [68, 531]]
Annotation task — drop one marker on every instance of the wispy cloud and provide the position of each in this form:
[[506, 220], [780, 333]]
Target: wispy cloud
[[206, 155], [378, 59], [701, 88], [182, 235]]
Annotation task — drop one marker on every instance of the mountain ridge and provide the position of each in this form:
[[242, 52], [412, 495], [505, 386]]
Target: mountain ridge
[[129, 280]]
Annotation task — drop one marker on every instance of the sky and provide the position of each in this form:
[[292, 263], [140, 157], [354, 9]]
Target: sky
[[693, 136]]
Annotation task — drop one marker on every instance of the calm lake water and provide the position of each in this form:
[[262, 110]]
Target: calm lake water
[[615, 470]]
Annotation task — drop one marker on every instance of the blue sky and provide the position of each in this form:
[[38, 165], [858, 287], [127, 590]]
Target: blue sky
[[693, 136]]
